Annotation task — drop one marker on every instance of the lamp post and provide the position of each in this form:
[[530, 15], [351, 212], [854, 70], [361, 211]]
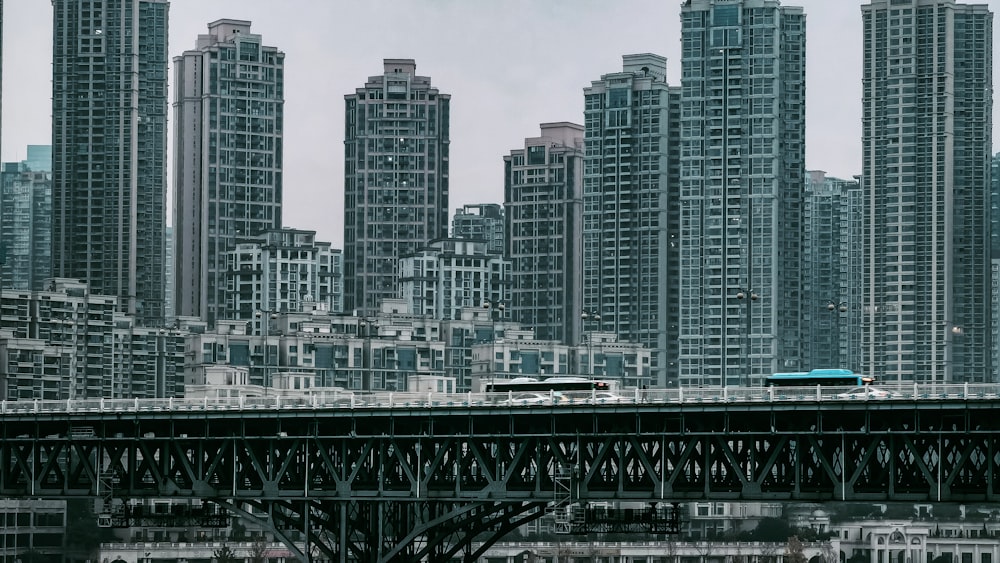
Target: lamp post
[[836, 307], [265, 318], [951, 334], [496, 309], [365, 328], [588, 315], [748, 295]]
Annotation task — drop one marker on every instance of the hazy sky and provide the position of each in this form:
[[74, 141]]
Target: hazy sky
[[509, 65]]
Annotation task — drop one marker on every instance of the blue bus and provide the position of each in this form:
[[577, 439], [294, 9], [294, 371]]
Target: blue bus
[[839, 377]]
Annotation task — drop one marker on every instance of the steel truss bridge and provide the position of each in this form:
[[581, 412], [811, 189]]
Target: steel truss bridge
[[437, 477]]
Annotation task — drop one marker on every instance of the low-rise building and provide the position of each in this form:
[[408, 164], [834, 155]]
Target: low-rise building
[[67, 343], [448, 275], [517, 353], [283, 270]]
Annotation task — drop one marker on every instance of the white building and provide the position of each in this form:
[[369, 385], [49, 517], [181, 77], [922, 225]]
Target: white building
[[448, 275], [517, 353], [282, 270]]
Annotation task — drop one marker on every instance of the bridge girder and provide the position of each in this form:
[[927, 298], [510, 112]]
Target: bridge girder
[[473, 472]]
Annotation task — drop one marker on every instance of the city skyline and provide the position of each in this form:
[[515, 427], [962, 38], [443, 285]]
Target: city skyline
[[501, 94]]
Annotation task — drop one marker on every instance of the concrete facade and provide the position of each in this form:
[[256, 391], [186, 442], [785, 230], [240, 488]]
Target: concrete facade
[[742, 168], [927, 94], [449, 275], [228, 147], [630, 209], [395, 179], [543, 189], [109, 146], [282, 270]]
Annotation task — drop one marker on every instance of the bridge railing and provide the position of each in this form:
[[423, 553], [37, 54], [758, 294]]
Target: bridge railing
[[402, 399]]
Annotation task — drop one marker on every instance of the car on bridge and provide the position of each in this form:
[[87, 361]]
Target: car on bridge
[[526, 398], [864, 393], [598, 398]]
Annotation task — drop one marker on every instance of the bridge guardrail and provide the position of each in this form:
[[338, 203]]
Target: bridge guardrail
[[402, 399]]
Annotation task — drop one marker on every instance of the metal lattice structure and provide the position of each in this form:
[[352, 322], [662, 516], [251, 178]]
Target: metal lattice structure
[[381, 484]]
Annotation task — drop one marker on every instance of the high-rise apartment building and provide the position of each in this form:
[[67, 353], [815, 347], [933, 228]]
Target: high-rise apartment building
[[169, 312], [395, 179], [109, 116], [831, 278], [543, 188], [229, 119], [630, 211], [26, 220], [926, 137], [25, 227], [742, 168], [484, 221], [995, 259]]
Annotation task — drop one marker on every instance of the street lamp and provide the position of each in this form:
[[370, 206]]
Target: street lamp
[[496, 308], [748, 295], [265, 318], [588, 315], [953, 350], [365, 329], [835, 307]]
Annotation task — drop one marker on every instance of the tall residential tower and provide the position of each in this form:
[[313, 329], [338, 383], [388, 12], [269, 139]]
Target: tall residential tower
[[109, 145], [229, 120], [742, 169], [926, 139], [630, 211], [542, 196], [395, 179], [831, 266]]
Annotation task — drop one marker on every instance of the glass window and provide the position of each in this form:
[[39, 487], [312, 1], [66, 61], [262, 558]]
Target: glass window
[[726, 16], [618, 98], [536, 155]]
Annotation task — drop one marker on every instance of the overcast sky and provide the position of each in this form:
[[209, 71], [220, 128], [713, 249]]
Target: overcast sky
[[509, 65]]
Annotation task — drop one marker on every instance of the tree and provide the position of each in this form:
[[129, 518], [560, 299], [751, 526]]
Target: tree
[[771, 530], [769, 552], [794, 552], [829, 555], [258, 551], [225, 555]]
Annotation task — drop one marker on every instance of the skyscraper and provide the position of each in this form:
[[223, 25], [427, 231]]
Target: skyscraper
[[831, 280], [395, 179], [742, 168], [25, 226], [109, 114], [926, 137], [228, 108], [543, 188], [630, 212], [26, 220]]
